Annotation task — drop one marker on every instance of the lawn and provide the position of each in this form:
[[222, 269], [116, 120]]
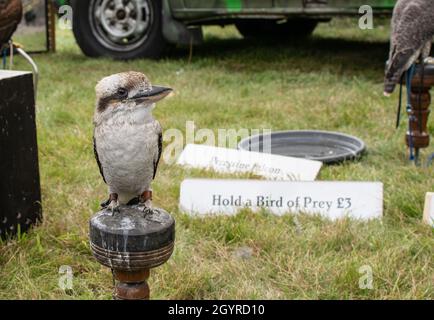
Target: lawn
[[332, 81]]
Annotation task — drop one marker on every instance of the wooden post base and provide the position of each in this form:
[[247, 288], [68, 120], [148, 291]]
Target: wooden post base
[[417, 136], [131, 285]]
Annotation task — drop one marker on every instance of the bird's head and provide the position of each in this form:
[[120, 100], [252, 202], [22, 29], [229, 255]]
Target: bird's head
[[126, 92]]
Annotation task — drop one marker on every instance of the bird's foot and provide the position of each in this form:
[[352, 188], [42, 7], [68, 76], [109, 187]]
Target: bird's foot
[[146, 202], [112, 203], [145, 207], [114, 207], [147, 210], [429, 60]]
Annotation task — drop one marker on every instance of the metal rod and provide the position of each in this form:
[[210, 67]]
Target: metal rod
[[11, 54], [34, 67], [398, 113]]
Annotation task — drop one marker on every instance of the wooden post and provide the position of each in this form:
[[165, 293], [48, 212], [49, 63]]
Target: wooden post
[[51, 26], [418, 136]]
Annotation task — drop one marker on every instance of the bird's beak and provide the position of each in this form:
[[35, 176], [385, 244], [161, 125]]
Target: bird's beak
[[154, 95]]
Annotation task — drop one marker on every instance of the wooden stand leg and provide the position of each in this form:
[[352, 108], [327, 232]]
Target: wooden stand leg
[[418, 116], [131, 285], [417, 136]]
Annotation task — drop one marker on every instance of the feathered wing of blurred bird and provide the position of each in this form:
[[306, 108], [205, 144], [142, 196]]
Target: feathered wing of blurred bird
[[411, 38], [11, 12], [127, 138]]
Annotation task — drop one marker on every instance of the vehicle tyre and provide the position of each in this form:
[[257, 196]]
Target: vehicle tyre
[[128, 31], [293, 28]]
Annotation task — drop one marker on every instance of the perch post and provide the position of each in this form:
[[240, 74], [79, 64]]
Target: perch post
[[131, 242], [420, 99]]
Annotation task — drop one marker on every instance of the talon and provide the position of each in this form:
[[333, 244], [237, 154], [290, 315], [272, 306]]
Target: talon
[[114, 207], [113, 203], [146, 207], [146, 211], [148, 204], [146, 200]]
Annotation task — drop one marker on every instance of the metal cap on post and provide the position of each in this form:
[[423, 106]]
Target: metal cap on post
[[131, 242]]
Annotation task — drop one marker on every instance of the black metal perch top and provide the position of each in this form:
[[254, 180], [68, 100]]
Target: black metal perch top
[[132, 239], [131, 242]]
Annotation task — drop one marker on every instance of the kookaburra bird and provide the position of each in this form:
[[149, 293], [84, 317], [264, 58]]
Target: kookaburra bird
[[411, 38], [127, 138]]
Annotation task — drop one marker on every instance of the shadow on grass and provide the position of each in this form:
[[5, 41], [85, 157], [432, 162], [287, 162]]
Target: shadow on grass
[[340, 56], [312, 54]]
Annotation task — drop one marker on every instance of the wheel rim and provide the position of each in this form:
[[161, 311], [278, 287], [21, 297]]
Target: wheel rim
[[120, 25]]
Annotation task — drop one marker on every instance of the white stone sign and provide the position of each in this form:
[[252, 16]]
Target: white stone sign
[[270, 166], [428, 214], [360, 200]]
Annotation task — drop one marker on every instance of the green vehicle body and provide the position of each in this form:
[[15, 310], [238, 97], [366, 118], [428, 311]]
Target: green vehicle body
[[189, 13], [198, 10]]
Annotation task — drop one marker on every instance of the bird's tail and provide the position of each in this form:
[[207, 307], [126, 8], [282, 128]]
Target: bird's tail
[[391, 78], [389, 87], [394, 71]]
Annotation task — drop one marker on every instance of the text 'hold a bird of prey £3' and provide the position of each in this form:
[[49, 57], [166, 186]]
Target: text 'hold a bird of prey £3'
[[411, 38], [127, 138]]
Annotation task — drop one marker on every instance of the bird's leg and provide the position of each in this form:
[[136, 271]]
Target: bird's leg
[[114, 203], [145, 200]]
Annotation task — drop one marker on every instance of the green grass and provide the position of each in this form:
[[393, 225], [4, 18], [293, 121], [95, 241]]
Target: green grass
[[32, 41], [332, 81]]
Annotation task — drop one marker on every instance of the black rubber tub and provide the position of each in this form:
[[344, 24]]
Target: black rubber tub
[[328, 147]]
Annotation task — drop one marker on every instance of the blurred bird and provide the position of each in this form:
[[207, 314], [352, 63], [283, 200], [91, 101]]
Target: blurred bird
[[411, 38], [11, 12], [127, 138]]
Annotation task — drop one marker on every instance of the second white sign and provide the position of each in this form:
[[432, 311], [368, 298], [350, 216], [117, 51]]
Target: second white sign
[[238, 161]]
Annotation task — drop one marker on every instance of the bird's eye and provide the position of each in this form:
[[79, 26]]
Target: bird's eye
[[122, 93]]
